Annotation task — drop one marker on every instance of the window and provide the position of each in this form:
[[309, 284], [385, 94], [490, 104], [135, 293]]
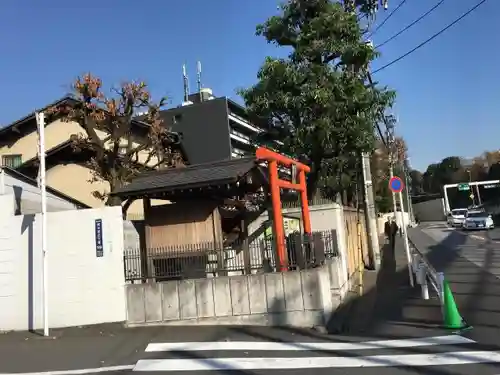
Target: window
[[12, 161]]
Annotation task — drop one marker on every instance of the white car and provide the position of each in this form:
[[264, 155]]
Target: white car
[[456, 217], [478, 219]]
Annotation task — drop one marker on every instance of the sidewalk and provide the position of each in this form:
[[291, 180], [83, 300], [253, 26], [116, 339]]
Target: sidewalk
[[399, 310]]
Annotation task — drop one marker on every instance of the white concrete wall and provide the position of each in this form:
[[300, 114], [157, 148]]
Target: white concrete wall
[[28, 196], [82, 288], [300, 298]]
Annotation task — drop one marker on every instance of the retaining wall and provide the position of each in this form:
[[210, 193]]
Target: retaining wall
[[300, 298]]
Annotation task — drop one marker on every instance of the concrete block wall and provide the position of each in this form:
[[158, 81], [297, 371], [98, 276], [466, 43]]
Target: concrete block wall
[[300, 298]]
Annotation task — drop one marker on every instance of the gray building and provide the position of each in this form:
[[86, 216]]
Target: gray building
[[212, 128]]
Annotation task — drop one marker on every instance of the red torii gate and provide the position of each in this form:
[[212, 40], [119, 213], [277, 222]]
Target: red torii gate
[[273, 159]]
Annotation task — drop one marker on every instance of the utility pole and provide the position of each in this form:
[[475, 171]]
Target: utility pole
[[392, 162], [408, 196], [370, 214], [40, 121], [391, 175]]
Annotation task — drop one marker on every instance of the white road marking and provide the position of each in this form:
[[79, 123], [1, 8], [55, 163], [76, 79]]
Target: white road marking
[[302, 346], [75, 372], [414, 360], [477, 237]]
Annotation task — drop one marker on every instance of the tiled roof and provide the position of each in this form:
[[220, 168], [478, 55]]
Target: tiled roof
[[195, 176]]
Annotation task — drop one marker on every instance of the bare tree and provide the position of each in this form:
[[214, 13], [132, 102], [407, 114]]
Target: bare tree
[[119, 146]]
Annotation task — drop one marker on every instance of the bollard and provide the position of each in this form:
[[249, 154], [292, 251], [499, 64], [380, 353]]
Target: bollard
[[440, 285], [423, 282], [418, 273], [416, 263]]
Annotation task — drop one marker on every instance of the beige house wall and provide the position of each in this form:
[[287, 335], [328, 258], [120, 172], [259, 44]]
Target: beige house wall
[[56, 133], [73, 179]]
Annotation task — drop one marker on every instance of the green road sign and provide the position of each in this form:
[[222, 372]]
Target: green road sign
[[463, 187]]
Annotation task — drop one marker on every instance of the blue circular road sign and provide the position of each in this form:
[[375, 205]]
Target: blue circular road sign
[[396, 184]]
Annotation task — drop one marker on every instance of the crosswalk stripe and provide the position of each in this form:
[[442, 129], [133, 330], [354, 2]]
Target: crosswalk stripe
[[413, 360], [303, 346]]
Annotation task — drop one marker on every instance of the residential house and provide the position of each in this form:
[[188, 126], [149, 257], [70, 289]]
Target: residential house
[[66, 170]]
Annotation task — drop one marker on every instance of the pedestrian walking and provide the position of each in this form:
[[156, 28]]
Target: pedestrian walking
[[394, 229]]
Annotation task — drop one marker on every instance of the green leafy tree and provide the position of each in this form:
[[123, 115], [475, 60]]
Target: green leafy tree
[[417, 182], [317, 101]]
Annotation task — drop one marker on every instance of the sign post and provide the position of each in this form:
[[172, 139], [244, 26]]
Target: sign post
[[396, 185]]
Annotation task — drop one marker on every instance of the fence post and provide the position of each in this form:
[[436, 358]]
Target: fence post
[[416, 260], [423, 281], [440, 282]]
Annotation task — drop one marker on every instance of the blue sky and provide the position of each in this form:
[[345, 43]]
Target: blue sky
[[447, 91]]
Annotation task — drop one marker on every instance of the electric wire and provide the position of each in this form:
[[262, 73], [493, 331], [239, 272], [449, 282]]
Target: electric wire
[[386, 19], [430, 38], [411, 24]]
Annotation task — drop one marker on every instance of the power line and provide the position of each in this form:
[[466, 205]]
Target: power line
[[411, 24], [386, 19], [431, 38]]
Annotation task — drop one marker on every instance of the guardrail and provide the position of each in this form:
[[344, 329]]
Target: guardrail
[[425, 274]]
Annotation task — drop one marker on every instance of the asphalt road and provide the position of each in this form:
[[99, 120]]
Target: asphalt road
[[482, 248], [403, 341], [265, 351]]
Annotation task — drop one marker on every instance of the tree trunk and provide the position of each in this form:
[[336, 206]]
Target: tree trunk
[[312, 180], [113, 200]]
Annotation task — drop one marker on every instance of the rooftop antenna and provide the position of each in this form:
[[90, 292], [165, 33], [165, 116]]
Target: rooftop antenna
[[198, 79], [186, 83]]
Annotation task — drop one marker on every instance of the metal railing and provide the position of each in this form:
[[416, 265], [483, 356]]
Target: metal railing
[[426, 274], [210, 259]]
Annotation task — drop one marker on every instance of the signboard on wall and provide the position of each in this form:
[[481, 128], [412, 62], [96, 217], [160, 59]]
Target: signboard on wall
[[290, 225], [99, 247]]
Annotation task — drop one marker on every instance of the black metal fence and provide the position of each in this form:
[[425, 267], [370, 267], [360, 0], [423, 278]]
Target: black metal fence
[[204, 259]]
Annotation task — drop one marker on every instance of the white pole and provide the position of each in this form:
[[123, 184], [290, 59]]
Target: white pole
[[423, 282], [446, 202], [42, 183], [405, 239], [394, 205]]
